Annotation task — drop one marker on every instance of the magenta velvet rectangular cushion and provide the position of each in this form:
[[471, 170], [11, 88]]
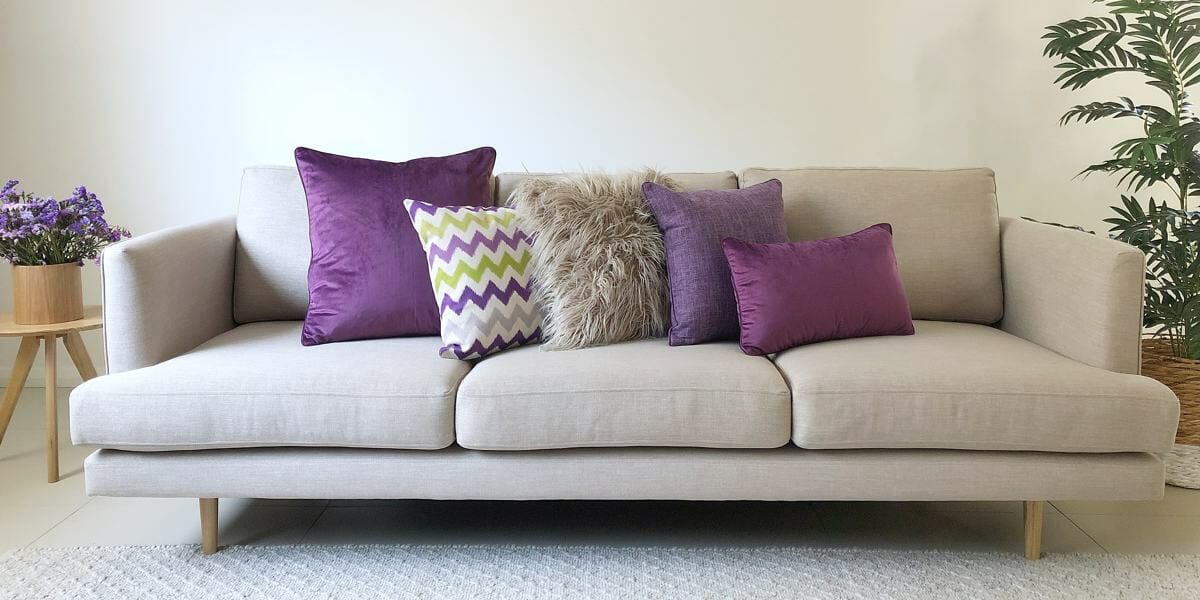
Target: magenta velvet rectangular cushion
[[368, 277], [797, 293]]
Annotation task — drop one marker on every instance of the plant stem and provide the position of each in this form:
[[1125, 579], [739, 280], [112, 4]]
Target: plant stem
[[1182, 185]]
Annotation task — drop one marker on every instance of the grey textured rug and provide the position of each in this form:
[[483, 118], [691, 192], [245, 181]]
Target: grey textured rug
[[481, 572]]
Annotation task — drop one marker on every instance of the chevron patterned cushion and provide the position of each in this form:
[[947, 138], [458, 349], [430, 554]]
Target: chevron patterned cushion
[[479, 267]]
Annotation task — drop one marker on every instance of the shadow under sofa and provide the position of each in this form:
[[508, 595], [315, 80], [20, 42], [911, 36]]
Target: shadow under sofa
[[1020, 382]]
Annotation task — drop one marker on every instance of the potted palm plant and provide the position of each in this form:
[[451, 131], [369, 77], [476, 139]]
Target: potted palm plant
[[1156, 39], [47, 240]]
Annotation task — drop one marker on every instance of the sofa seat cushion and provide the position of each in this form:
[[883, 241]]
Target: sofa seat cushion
[[972, 387], [257, 386], [639, 393]]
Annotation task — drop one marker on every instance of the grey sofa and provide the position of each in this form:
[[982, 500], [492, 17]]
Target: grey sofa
[[1021, 382]]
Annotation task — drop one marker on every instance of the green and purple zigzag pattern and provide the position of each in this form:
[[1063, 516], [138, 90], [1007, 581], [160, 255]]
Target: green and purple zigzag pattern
[[479, 263]]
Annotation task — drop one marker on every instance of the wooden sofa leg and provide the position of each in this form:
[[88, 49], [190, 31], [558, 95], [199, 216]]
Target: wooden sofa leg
[[1033, 528], [208, 525]]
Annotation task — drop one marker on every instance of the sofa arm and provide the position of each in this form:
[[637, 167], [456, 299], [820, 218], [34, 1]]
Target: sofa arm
[[1077, 294], [167, 292]]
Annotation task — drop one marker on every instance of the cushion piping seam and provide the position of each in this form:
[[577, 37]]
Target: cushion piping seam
[[632, 444], [608, 390], [229, 445], [446, 396], [1009, 447], [894, 392]]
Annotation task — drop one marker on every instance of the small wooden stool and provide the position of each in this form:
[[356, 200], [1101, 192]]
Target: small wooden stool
[[31, 336]]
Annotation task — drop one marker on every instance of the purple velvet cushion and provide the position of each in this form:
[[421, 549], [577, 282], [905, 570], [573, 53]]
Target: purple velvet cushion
[[803, 292], [368, 277], [693, 224]]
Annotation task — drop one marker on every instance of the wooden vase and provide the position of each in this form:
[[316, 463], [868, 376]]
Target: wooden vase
[[47, 294]]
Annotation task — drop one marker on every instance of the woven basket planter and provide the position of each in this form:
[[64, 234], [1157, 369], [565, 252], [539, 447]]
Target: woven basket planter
[[1182, 375]]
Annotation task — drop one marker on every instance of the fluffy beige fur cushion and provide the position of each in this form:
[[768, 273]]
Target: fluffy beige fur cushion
[[599, 272]]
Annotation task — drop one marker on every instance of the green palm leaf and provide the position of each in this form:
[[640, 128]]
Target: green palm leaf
[[1160, 40]]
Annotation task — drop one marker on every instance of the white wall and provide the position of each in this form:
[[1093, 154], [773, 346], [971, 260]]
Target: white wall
[[157, 105]]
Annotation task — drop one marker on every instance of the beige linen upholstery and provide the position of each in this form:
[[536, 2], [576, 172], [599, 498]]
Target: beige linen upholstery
[[945, 228], [787, 473], [257, 386], [1077, 294], [186, 379], [968, 386], [640, 393], [166, 292], [720, 180], [273, 250]]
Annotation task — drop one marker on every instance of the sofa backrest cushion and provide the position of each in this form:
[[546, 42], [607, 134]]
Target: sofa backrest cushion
[[719, 180], [945, 224], [270, 269], [273, 251]]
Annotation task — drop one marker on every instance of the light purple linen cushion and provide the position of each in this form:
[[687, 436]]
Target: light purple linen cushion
[[693, 223], [368, 277], [798, 293]]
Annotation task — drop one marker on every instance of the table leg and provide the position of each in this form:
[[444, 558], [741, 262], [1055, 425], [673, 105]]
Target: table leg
[[79, 355], [50, 345], [16, 381]]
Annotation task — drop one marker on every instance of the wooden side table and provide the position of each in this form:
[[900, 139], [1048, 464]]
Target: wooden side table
[[46, 335]]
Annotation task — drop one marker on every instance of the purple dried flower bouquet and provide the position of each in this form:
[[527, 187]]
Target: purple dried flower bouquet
[[44, 231]]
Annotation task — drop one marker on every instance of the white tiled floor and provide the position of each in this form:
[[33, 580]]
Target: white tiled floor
[[34, 513]]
